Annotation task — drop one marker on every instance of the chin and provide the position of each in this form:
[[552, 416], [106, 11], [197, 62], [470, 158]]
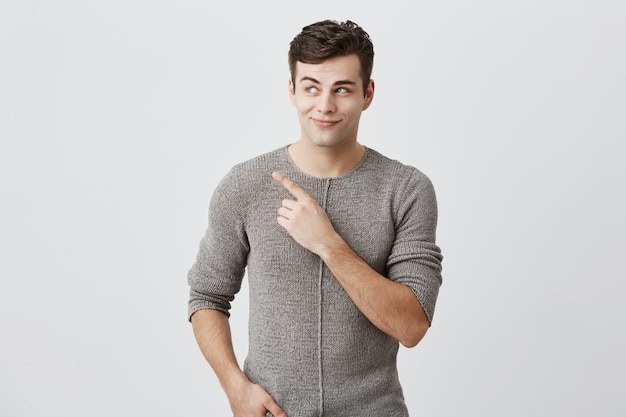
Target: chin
[[326, 143]]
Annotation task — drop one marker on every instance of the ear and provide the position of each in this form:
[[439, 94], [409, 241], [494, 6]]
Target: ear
[[369, 95], [292, 92]]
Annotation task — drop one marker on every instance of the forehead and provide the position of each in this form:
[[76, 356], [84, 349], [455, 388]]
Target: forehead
[[346, 68]]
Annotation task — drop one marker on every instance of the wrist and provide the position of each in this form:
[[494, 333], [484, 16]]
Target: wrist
[[333, 248], [234, 381]]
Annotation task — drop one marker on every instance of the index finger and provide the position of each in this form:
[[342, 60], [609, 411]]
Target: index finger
[[291, 186]]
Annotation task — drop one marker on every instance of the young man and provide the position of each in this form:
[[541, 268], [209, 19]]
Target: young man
[[339, 246]]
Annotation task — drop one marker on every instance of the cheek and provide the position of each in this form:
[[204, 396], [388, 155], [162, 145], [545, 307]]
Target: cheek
[[355, 110], [304, 105]]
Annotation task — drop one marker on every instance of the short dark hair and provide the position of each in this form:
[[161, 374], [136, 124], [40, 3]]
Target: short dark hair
[[327, 39]]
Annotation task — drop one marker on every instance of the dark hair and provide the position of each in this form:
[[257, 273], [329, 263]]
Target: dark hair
[[327, 39]]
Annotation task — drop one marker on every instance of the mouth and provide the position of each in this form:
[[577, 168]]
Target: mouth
[[324, 122]]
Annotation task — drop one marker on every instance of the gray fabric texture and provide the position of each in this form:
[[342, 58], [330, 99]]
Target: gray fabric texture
[[309, 346]]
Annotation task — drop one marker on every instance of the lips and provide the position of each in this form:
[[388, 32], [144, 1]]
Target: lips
[[325, 123]]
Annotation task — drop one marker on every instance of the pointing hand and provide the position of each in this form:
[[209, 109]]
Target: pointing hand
[[303, 218]]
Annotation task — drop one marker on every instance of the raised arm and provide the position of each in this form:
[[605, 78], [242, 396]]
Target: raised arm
[[389, 305]]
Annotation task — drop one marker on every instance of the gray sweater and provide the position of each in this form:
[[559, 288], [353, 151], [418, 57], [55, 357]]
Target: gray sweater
[[313, 351]]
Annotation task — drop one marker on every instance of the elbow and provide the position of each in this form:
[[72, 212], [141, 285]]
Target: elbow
[[413, 337]]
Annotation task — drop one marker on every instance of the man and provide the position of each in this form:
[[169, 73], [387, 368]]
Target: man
[[339, 246]]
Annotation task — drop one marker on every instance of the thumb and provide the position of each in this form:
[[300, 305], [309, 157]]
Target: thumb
[[273, 408]]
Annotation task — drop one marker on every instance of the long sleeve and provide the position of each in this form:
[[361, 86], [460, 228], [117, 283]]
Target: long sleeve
[[216, 275]]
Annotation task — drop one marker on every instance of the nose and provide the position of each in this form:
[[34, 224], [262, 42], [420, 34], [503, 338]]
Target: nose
[[326, 103]]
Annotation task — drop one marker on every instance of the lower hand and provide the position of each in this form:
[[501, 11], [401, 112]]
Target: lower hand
[[251, 400]]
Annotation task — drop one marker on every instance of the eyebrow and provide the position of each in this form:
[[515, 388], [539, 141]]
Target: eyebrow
[[340, 82]]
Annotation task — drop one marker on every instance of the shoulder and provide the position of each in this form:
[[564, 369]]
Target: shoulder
[[253, 172], [397, 174], [259, 163], [410, 191], [245, 182]]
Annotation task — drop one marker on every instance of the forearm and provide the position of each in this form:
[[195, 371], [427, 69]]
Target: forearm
[[212, 332], [390, 306]]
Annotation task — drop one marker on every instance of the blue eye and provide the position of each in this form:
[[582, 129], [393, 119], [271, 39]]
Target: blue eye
[[342, 90], [311, 90]]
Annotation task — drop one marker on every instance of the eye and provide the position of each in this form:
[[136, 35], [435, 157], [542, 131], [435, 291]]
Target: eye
[[311, 90], [342, 90]]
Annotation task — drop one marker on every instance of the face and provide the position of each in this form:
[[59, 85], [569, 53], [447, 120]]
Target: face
[[329, 99]]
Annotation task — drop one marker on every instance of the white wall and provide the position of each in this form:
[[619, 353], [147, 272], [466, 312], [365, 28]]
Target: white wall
[[118, 118]]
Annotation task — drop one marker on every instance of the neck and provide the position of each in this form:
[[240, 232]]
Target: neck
[[326, 162]]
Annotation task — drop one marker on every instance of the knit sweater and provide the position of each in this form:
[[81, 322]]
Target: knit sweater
[[310, 347]]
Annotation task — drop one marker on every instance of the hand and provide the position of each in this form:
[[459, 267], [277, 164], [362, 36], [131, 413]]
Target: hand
[[303, 218], [251, 400]]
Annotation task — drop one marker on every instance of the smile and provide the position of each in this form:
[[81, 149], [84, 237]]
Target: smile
[[325, 123]]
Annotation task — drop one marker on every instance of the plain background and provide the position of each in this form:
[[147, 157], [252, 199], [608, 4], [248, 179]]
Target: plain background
[[118, 118]]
